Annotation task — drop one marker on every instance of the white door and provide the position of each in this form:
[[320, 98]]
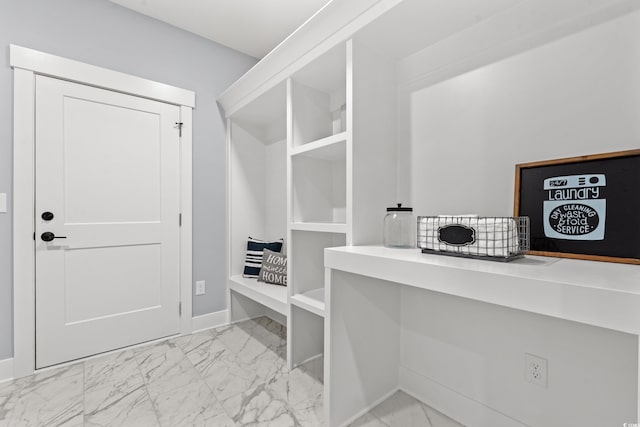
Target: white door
[[108, 188]]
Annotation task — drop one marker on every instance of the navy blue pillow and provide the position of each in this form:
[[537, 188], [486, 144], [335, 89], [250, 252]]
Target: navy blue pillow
[[255, 249]]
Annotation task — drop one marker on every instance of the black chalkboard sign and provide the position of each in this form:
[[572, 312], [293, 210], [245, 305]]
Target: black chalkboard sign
[[583, 207]]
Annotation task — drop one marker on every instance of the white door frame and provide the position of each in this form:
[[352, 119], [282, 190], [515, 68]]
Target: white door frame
[[28, 63]]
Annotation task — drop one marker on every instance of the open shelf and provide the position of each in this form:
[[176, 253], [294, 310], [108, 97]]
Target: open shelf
[[321, 227], [330, 148], [318, 98], [319, 189], [307, 334], [306, 257], [271, 296], [312, 301]]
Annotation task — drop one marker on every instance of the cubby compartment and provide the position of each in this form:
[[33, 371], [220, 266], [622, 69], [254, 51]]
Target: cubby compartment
[[319, 98], [257, 192], [307, 337], [319, 188], [306, 256]]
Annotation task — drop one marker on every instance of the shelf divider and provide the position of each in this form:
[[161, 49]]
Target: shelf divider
[[320, 227], [329, 148], [271, 296], [312, 301]]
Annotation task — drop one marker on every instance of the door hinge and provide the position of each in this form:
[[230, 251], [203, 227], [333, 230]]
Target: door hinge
[[180, 308], [179, 220], [34, 235], [179, 127]]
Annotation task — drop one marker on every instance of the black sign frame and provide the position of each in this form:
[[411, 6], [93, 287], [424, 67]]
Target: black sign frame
[[585, 207]]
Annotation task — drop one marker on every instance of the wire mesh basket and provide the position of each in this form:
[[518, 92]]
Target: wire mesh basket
[[495, 238]]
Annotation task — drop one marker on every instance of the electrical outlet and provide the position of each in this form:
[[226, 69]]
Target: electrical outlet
[[535, 369], [201, 287]]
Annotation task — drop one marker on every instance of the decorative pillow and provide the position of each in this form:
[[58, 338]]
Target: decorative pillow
[[274, 268], [253, 261]]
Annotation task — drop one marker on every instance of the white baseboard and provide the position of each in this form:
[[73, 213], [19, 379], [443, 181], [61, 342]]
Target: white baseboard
[[451, 403], [275, 316], [6, 369], [210, 320], [309, 360], [370, 407]]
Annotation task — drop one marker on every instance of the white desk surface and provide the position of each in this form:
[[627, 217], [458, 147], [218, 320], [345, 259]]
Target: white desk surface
[[596, 293]]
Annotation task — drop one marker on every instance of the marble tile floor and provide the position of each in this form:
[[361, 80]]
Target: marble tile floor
[[230, 376]]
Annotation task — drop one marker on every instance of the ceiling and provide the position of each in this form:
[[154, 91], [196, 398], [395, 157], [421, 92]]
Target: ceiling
[[254, 27]]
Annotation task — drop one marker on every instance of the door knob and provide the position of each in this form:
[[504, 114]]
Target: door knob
[[47, 216], [48, 236]]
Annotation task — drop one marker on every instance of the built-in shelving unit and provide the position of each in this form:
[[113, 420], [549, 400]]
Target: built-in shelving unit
[[289, 176], [295, 170], [339, 122], [320, 178]]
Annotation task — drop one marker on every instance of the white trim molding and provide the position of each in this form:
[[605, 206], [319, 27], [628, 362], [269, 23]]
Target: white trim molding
[[54, 66], [27, 64], [334, 23], [6, 370], [210, 320], [186, 230], [457, 406], [370, 407], [24, 265]]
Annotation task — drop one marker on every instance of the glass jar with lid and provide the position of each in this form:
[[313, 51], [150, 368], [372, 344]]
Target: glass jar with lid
[[399, 227]]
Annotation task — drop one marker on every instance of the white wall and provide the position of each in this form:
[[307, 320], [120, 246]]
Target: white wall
[[104, 34], [579, 95], [478, 349]]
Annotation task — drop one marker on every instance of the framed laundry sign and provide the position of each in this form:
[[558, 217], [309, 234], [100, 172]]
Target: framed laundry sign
[[584, 207]]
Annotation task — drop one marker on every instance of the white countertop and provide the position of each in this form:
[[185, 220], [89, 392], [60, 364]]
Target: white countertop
[[596, 293]]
